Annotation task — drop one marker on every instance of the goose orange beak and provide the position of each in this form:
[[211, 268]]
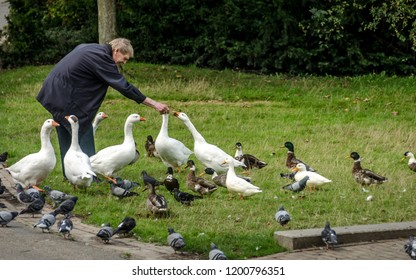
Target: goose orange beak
[[55, 124], [295, 169]]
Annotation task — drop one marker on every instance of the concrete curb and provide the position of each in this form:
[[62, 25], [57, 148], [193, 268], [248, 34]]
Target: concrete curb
[[301, 239]]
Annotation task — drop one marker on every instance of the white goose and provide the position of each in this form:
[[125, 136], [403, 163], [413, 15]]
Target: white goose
[[237, 184], [113, 158], [77, 165], [208, 154], [315, 179], [97, 120], [172, 152], [34, 168]]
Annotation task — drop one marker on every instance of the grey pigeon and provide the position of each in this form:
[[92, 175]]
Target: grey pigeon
[[23, 196], [282, 216], [184, 197], [125, 226], [65, 226], [35, 207], [6, 217], [297, 186], [410, 247], [105, 232], [2, 187], [147, 179], [175, 240], [56, 196], [126, 184], [215, 253], [46, 221], [33, 192], [329, 236], [66, 206], [120, 192]]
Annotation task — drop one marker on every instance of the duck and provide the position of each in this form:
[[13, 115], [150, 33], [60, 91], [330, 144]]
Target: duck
[[149, 146], [315, 179], [412, 161], [77, 165], [34, 168], [220, 180], [112, 159], [171, 182], [97, 120], [238, 185], [249, 160], [292, 161], [208, 154], [365, 176], [198, 184], [171, 151], [156, 203]]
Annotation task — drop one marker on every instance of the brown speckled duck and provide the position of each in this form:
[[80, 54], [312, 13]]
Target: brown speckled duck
[[198, 184], [412, 161], [291, 160], [156, 203], [364, 176]]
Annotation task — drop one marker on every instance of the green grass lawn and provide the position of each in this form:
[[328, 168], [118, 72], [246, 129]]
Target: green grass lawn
[[325, 117]]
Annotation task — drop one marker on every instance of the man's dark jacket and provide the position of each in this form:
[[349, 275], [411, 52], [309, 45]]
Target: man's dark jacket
[[78, 84]]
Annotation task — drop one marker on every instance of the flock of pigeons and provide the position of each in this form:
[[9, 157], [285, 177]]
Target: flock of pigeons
[[81, 171]]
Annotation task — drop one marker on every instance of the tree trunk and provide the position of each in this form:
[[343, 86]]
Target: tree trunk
[[106, 20]]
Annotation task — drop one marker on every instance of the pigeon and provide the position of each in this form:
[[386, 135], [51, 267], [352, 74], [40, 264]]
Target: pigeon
[[33, 192], [105, 232], [65, 226], [125, 226], [66, 206], [170, 182], [124, 183], [410, 247], [35, 207], [147, 179], [215, 253], [282, 216], [297, 186], [120, 192], [22, 195], [2, 187], [3, 157], [175, 240], [56, 196], [46, 221], [6, 217], [329, 236], [184, 197]]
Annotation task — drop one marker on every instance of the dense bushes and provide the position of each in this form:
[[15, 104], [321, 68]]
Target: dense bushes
[[301, 36]]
